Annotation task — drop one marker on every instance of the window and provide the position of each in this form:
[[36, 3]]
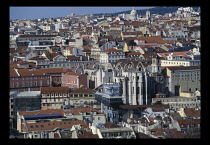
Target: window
[[35, 83], [17, 84]]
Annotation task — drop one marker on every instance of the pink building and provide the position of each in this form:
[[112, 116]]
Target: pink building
[[23, 79], [74, 80]]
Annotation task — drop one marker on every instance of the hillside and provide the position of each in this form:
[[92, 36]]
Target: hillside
[[155, 10]]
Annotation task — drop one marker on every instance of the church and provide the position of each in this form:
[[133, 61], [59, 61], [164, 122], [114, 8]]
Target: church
[[133, 16]]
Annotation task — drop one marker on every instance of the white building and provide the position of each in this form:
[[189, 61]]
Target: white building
[[111, 55]]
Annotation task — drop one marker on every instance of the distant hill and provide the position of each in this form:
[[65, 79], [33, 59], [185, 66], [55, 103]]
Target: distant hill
[[155, 10]]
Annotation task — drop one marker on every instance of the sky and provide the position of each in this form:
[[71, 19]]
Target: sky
[[53, 12]]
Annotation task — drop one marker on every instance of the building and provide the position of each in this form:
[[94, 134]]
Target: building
[[183, 79], [54, 97], [111, 130], [111, 55], [87, 114], [110, 98], [22, 79], [177, 102], [74, 80], [23, 101], [83, 97]]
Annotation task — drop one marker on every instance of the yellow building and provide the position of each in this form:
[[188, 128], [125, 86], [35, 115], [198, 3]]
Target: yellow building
[[125, 48]]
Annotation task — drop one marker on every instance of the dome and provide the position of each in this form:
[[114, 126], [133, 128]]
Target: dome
[[133, 13]]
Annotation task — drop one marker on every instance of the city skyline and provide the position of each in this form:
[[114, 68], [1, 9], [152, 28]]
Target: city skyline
[[53, 12]]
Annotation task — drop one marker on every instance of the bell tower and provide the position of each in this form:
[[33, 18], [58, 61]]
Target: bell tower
[[156, 64]]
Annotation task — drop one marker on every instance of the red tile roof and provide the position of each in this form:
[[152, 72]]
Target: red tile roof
[[50, 111], [184, 68], [54, 124], [83, 90], [76, 111], [54, 90], [73, 74]]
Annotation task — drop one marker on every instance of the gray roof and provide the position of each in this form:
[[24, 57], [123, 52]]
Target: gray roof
[[28, 94]]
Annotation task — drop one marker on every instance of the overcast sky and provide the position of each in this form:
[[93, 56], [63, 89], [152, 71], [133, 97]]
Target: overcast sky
[[52, 12]]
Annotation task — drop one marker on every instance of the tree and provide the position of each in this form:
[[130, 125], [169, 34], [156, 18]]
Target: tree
[[158, 102], [131, 43]]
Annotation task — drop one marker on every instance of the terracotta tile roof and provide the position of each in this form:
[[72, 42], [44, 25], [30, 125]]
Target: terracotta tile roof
[[54, 124], [53, 70], [50, 111], [12, 72], [158, 133], [27, 36], [111, 125], [184, 68], [76, 111], [134, 53], [191, 112], [119, 39], [87, 46], [182, 53], [62, 30], [83, 90], [88, 136], [142, 135], [85, 134], [54, 90], [155, 107], [72, 74], [27, 72], [50, 56], [38, 58], [147, 56]]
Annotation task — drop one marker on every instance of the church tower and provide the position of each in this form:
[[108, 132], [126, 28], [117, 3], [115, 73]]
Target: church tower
[[147, 14], [156, 64]]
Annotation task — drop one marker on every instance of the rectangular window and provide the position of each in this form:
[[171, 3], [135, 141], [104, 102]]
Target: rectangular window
[[17, 84], [35, 83]]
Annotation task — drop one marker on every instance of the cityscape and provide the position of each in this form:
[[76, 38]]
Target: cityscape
[[116, 75]]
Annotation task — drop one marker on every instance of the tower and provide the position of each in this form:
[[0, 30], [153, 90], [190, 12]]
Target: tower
[[156, 64], [147, 14]]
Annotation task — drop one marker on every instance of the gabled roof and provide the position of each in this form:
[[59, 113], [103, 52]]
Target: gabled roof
[[82, 90], [184, 68], [50, 111], [191, 112], [111, 125], [76, 111], [50, 56], [55, 124], [133, 53], [73, 74], [181, 53], [38, 58], [54, 90], [12, 72]]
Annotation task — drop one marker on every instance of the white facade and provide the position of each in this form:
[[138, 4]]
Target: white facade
[[113, 57]]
